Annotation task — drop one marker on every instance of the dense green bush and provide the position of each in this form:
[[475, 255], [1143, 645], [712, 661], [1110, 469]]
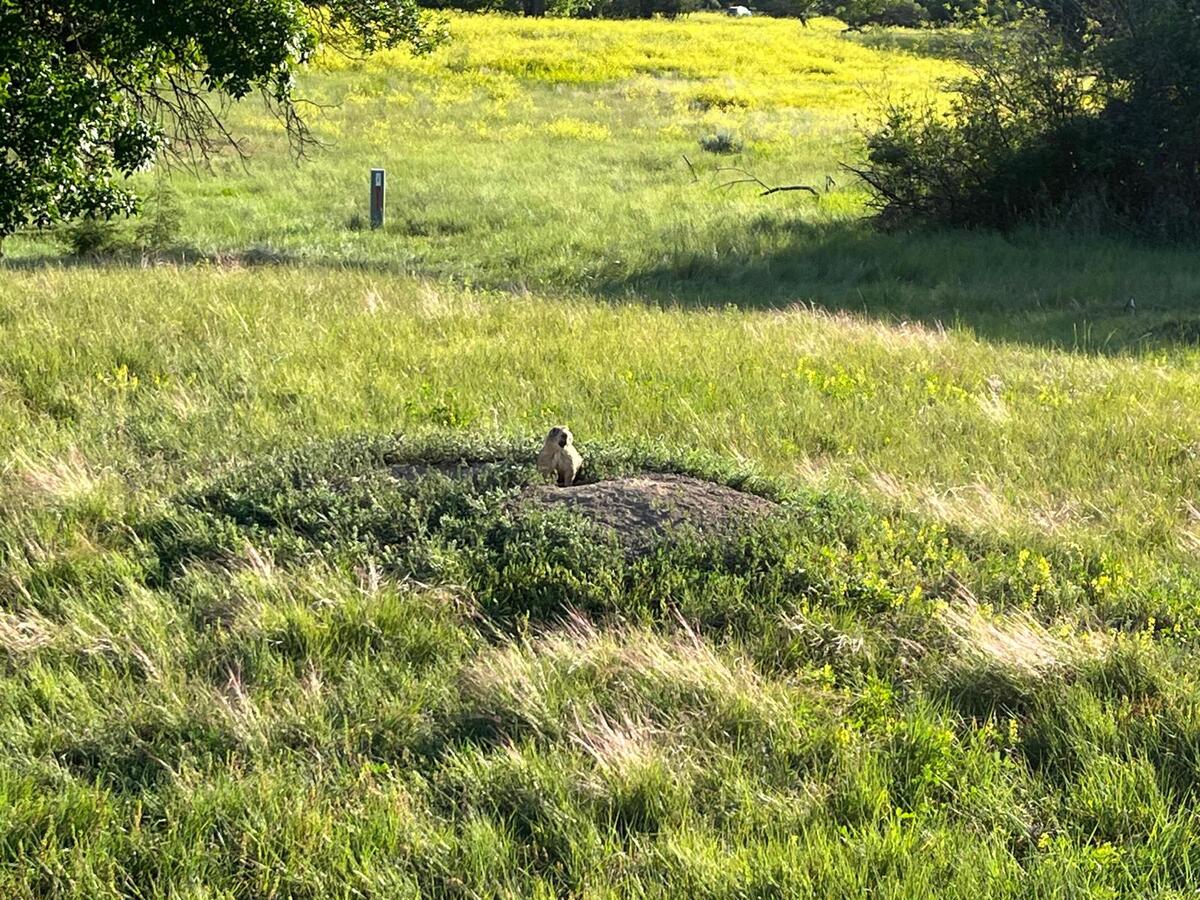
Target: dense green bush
[[1100, 126], [1062, 14], [984, 161], [857, 13]]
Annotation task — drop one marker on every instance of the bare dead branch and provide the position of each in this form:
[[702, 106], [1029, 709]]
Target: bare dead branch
[[767, 190], [192, 120], [790, 187], [691, 169]]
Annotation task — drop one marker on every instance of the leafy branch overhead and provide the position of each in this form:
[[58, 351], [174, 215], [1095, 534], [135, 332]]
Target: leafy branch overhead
[[92, 90]]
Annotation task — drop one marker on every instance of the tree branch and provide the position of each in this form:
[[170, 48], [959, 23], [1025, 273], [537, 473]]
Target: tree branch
[[767, 189]]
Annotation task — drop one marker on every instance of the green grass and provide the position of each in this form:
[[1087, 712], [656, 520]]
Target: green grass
[[551, 157], [239, 659]]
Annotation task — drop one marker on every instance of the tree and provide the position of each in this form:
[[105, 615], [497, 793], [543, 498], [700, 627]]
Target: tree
[[858, 13], [1093, 116], [91, 91]]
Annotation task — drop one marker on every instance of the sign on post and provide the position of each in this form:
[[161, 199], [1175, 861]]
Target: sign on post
[[377, 185]]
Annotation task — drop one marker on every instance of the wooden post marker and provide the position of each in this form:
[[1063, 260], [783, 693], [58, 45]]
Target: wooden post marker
[[377, 186]]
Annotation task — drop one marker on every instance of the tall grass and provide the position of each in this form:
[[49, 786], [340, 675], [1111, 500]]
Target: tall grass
[[238, 657], [156, 372]]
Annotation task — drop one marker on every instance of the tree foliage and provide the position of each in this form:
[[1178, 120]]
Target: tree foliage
[[1066, 14], [92, 90], [1058, 119]]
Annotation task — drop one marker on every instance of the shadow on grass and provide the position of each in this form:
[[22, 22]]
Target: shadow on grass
[[935, 43], [127, 258], [1041, 288]]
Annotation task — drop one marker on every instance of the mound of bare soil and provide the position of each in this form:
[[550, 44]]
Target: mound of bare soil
[[643, 508], [640, 509]]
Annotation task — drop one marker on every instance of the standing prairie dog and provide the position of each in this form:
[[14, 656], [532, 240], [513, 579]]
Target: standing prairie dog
[[559, 457]]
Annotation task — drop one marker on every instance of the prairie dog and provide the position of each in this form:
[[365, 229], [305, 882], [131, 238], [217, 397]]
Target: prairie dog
[[559, 457]]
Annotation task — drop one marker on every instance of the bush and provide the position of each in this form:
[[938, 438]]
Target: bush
[[721, 142], [89, 236], [913, 13], [155, 229], [791, 9], [905, 13], [1050, 124], [160, 222], [985, 161]]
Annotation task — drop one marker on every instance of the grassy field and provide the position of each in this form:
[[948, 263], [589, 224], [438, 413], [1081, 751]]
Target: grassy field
[[239, 659]]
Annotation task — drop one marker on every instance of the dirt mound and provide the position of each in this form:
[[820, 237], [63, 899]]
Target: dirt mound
[[642, 508]]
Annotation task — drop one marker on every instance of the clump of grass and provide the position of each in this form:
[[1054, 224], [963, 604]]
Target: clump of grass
[[1015, 643], [721, 142], [712, 97], [414, 226], [56, 480], [1005, 661], [664, 683]]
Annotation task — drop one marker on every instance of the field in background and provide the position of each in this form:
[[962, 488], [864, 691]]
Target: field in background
[[235, 660], [549, 156]]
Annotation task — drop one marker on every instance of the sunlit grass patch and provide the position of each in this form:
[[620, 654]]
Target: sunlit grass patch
[[1017, 643], [260, 635], [55, 479], [577, 129], [634, 677]]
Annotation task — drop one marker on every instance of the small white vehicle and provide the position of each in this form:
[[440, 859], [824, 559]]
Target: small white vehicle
[[739, 11]]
